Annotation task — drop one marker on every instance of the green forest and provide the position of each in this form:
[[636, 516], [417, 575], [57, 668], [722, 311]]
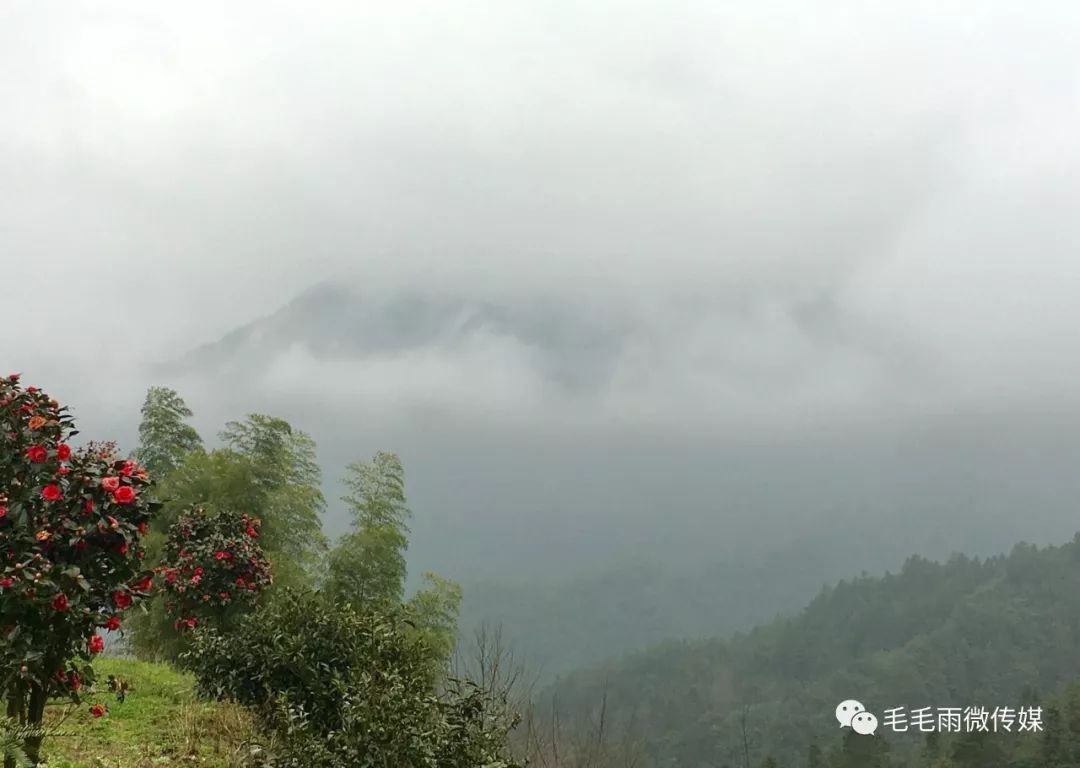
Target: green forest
[[996, 632]]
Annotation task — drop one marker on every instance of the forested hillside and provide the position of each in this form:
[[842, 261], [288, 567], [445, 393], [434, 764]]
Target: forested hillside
[[963, 633]]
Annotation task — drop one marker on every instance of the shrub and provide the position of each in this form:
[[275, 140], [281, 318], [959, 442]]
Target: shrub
[[70, 553], [214, 568], [338, 687]]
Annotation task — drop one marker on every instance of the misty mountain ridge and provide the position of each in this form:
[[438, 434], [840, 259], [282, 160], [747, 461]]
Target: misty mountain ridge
[[568, 345]]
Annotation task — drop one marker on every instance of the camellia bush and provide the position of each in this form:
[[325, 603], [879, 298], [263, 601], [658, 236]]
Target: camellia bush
[[71, 559], [214, 569]]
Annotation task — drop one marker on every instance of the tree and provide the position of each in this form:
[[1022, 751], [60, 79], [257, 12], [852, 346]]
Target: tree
[[164, 436], [434, 612], [70, 529], [283, 467], [267, 471], [367, 568]]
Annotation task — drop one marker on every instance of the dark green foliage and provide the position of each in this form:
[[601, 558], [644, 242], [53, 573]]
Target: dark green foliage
[[966, 632], [343, 688]]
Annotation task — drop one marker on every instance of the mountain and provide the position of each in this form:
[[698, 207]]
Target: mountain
[[967, 632], [587, 532], [569, 345]]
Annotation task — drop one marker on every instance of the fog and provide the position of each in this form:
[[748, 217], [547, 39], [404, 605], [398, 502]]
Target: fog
[[834, 243]]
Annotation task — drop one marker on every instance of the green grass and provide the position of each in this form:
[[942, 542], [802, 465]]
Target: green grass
[[161, 724]]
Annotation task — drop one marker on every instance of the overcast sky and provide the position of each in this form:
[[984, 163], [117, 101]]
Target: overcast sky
[[841, 206]]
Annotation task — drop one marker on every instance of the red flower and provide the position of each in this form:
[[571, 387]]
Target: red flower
[[223, 595], [252, 532], [97, 710], [145, 585], [122, 600], [170, 576], [112, 624], [76, 681], [123, 548], [52, 492], [63, 451], [125, 494], [63, 471], [5, 582], [127, 468], [240, 581], [3, 511], [88, 506], [221, 555], [110, 483], [37, 453], [142, 528], [60, 602], [96, 644]]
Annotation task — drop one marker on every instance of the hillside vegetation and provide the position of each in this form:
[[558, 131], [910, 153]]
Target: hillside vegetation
[[966, 632]]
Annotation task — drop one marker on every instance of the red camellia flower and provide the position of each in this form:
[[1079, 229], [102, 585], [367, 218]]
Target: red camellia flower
[[3, 511], [112, 624], [97, 710], [221, 555], [252, 532], [63, 451], [141, 527], [127, 468], [76, 681], [96, 644], [125, 494], [145, 585], [6, 582], [123, 548], [122, 600], [60, 602], [223, 595], [110, 483], [37, 453], [88, 506], [52, 492]]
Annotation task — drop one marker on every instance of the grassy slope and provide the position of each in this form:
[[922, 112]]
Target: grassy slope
[[160, 724]]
